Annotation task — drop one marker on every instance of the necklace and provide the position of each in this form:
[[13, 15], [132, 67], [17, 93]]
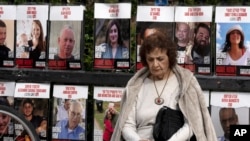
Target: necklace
[[160, 100]]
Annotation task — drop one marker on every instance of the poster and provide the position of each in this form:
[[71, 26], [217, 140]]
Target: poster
[[7, 99], [150, 19], [32, 100], [106, 111], [193, 38], [7, 31], [112, 36], [69, 108], [232, 41], [31, 36], [229, 108], [65, 44]]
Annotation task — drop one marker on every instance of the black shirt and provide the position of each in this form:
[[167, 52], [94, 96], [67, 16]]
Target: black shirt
[[4, 52]]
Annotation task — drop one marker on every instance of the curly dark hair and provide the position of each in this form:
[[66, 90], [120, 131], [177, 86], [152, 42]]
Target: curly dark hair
[[227, 44], [158, 40]]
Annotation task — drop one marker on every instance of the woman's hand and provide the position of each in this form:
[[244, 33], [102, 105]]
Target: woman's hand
[[35, 43]]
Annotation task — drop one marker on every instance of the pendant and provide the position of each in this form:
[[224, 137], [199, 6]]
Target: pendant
[[159, 101]]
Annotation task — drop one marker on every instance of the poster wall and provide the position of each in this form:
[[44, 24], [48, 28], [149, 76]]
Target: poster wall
[[232, 41], [7, 22], [106, 111], [69, 110], [32, 100], [31, 36], [193, 38], [112, 36], [148, 20], [229, 108], [65, 42]]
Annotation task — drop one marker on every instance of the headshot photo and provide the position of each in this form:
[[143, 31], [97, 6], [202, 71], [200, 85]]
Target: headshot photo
[[112, 38], [184, 33], [65, 40], [69, 119], [201, 48], [232, 44], [6, 39], [223, 117], [34, 111], [31, 39]]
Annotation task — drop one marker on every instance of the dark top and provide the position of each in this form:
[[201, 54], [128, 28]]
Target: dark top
[[34, 54], [4, 52], [56, 57], [36, 121]]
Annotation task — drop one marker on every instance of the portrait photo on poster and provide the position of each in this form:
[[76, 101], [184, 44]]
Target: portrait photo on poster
[[105, 114], [223, 117], [31, 39], [184, 34], [201, 48], [232, 44], [71, 113], [7, 39], [34, 110], [65, 40], [112, 42]]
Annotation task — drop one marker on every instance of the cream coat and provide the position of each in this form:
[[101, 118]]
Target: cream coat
[[192, 104]]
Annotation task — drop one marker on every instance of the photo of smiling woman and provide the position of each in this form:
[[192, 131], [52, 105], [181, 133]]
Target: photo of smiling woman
[[112, 41], [236, 51], [233, 48]]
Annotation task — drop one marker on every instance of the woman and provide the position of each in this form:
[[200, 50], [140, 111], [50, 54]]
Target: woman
[[108, 128], [37, 43], [162, 83], [114, 48], [236, 52]]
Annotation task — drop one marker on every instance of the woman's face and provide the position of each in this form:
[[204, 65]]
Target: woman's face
[[235, 37], [113, 34], [158, 63], [4, 121], [36, 31], [109, 115]]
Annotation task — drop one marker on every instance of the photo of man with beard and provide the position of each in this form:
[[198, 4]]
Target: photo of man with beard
[[200, 53]]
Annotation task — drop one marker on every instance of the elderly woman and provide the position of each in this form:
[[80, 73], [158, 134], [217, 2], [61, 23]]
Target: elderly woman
[[162, 83], [236, 52]]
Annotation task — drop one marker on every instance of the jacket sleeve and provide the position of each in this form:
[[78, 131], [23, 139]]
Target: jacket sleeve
[[193, 105]]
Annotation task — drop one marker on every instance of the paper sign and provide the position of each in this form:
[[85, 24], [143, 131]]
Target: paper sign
[[70, 91], [112, 11], [64, 13], [155, 13], [7, 88], [230, 99], [7, 12], [193, 14], [32, 12], [108, 93], [232, 14], [32, 90]]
